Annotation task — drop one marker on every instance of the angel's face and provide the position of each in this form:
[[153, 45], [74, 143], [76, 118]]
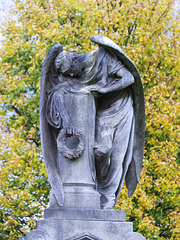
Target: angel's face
[[68, 64], [75, 69]]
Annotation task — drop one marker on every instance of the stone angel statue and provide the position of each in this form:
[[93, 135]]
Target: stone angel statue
[[92, 122]]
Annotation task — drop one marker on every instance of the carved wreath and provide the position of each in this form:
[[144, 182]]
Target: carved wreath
[[73, 150]]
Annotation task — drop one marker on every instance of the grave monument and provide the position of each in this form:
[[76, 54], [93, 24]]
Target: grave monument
[[92, 133]]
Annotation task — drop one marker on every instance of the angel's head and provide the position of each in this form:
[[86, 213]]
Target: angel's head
[[67, 64]]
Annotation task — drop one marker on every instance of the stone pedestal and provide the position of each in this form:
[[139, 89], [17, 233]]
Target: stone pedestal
[[78, 174], [83, 224]]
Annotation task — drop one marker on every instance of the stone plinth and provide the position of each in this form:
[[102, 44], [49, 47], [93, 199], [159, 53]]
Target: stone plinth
[[83, 224]]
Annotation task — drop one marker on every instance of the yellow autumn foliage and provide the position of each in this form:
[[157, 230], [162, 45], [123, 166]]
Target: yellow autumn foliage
[[148, 32]]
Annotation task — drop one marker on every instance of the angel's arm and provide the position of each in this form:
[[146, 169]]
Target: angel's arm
[[122, 79]]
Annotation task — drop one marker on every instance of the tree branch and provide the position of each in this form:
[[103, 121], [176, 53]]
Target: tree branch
[[36, 142], [16, 110]]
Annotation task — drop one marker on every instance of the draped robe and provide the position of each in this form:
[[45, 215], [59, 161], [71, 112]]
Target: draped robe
[[114, 133]]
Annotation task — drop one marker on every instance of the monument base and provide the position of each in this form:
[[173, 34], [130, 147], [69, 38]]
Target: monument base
[[83, 224]]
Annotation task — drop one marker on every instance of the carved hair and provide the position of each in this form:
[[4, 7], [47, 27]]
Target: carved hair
[[63, 61]]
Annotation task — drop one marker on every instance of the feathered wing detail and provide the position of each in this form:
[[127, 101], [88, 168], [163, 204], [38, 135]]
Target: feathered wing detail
[[48, 134], [134, 170]]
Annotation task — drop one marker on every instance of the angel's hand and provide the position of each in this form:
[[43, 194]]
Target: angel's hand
[[67, 126], [70, 130], [94, 89]]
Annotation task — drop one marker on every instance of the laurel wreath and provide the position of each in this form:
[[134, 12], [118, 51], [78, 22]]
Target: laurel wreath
[[66, 152]]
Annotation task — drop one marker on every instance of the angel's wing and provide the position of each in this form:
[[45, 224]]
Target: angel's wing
[[134, 171], [48, 134]]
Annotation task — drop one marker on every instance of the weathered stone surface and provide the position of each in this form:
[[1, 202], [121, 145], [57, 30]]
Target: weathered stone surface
[[37, 235], [79, 229], [84, 224], [92, 133], [92, 124], [85, 214], [64, 229], [133, 236], [84, 236]]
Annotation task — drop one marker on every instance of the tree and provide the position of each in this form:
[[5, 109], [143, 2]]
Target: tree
[[148, 33]]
